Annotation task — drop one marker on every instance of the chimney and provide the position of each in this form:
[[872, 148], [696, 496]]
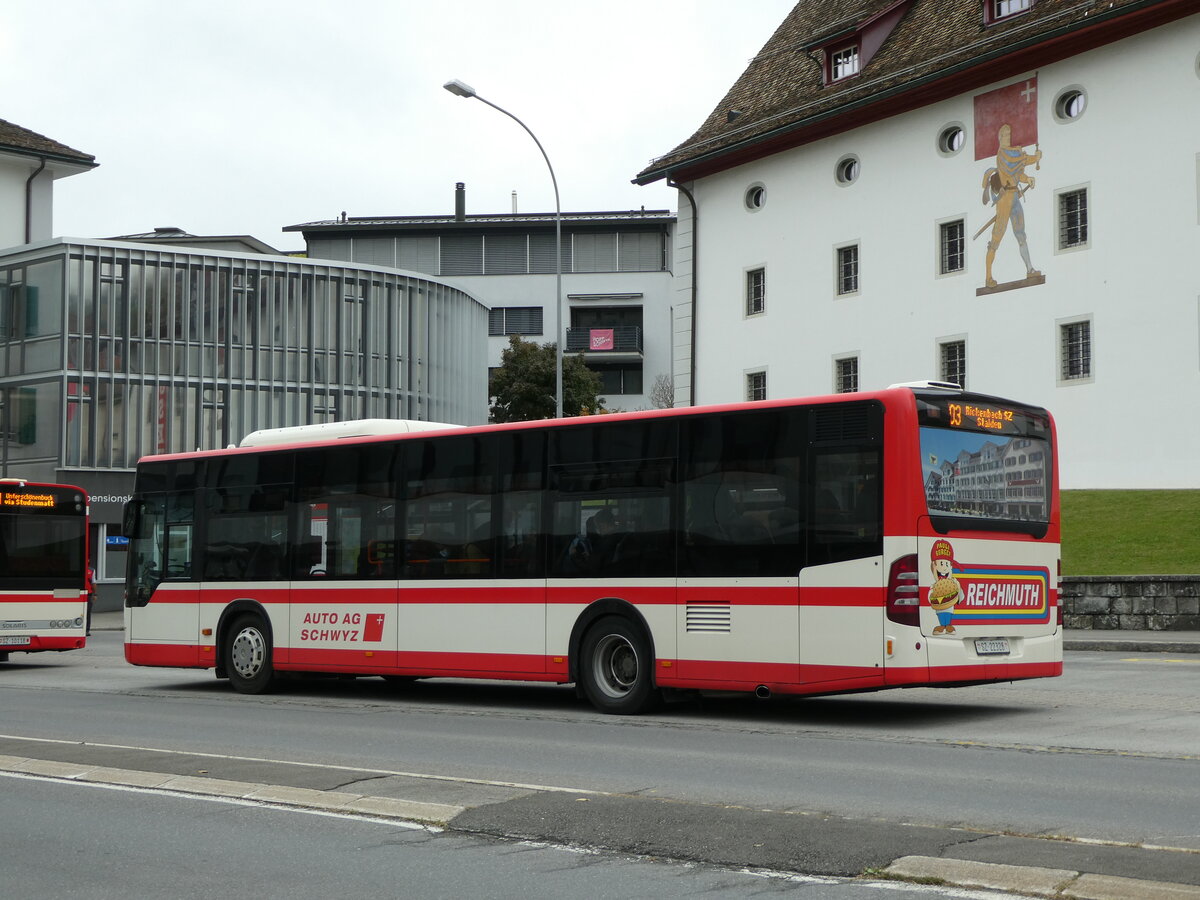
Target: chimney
[[514, 203], [460, 202]]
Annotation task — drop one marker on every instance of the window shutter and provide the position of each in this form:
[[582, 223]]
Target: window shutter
[[506, 254], [462, 254], [641, 252], [417, 254]]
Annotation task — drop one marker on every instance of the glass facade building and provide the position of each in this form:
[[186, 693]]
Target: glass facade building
[[110, 351]]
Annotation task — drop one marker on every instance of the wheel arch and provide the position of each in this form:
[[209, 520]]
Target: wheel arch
[[241, 606], [598, 609]]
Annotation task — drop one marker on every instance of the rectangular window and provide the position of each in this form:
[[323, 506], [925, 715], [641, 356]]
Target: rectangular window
[[954, 362], [995, 10], [756, 386], [1075, 350], [845, 375], [756, 292], [847, 270], [504, 320], [843, 63], [953, 247], [1073, 219]]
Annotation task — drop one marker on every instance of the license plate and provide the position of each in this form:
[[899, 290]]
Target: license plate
[[12, 639], [992, 646]]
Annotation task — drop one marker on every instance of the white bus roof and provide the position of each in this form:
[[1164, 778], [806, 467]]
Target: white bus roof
[[332, 431]]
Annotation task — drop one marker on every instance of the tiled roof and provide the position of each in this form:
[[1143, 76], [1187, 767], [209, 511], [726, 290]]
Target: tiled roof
[[939, 48], [22, 140]]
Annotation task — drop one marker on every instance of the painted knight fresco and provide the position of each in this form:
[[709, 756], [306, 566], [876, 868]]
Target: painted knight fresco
[[1005, 124]]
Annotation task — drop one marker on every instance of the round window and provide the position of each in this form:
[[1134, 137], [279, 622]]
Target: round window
[[756, 197], [951, 140], [1070, 104], [847, 169]]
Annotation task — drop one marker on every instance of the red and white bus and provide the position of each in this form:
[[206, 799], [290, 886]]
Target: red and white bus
[[845, 543], [43, 567]]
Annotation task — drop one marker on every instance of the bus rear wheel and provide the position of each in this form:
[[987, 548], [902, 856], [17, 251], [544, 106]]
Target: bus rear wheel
[[246, 654], [616, 668]]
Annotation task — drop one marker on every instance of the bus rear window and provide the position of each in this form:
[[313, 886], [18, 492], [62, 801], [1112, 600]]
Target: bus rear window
[[990, 466]]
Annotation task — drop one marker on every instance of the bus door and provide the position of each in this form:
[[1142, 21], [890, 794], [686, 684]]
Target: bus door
[[163, 593], [987, 602], [843, 581], [343, 611], [472, 588], [740, 548]]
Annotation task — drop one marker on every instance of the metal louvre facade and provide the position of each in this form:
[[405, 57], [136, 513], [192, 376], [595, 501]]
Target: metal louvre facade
[[110, 351]]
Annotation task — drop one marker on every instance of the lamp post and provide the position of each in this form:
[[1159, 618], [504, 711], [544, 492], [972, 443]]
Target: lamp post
[[461, 89]]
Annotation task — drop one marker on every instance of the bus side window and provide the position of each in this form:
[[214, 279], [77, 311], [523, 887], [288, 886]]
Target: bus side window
[[742, 512], [449, 491], [344, 513], [846, 517]]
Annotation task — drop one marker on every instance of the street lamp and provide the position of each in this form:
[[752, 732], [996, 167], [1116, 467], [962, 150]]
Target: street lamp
[[461, 89]]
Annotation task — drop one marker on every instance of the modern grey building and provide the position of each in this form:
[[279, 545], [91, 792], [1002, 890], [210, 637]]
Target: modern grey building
[[617, 283], [111, 350]]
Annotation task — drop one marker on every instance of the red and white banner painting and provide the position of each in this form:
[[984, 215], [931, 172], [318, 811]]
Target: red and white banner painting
[[601, 339], [1014, 106]]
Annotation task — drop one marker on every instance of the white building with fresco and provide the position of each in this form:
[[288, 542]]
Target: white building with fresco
[[1002, 193]]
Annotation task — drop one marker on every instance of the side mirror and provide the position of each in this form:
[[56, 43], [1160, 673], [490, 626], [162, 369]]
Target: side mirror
[[131, 518]]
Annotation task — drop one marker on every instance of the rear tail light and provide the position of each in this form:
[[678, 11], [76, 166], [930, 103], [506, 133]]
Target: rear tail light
[[904, 592]]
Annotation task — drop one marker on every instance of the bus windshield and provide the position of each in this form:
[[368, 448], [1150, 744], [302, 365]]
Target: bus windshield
[[42, 540], [986, 462]]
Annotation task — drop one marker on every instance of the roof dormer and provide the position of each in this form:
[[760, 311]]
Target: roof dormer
[[995, 11], [848, 50]]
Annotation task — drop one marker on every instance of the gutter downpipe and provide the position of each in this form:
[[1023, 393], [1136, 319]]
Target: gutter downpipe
[[695, 287], [29, 199]]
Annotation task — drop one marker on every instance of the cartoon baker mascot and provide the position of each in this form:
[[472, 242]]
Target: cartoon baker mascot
[[946, 590]]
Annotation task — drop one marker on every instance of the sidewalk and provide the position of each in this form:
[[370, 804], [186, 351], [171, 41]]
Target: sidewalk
[[1073, 639]]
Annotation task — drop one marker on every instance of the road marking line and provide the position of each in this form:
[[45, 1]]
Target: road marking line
[[1152, 659]]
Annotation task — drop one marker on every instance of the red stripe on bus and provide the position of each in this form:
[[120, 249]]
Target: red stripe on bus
[[853, 597]]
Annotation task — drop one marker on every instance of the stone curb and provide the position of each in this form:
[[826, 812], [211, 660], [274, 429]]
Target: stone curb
[[331, 801], [1036, 881]]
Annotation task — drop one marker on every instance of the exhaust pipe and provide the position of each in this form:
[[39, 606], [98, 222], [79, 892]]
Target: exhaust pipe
[[762, 692]]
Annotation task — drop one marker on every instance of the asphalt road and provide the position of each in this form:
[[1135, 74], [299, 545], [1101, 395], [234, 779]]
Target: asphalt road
[[836, 786]]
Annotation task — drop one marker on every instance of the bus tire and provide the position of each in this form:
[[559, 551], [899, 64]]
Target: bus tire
[[617, 669], [246, 655]]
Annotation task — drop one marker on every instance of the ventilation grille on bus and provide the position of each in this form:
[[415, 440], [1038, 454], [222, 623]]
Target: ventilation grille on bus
[[841, 423], [711, 617]]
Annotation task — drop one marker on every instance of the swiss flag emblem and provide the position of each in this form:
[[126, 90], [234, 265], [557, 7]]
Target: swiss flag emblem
[[374, 627]]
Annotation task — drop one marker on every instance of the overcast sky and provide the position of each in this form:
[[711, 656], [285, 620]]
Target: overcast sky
[[225, 117]]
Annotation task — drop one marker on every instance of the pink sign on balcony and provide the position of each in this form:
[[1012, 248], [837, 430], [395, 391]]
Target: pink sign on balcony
[[601, 339]]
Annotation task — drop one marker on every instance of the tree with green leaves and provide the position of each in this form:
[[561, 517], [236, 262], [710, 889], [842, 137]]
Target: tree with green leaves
[[523, 387]]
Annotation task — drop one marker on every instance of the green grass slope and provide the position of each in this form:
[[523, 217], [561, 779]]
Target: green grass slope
[[1131, 532]]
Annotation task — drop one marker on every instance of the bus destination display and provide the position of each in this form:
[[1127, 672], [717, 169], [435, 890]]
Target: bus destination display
[[973, 416], [27, 501]]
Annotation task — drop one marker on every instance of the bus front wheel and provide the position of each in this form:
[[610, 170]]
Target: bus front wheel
[[247, 656], [616, 668]]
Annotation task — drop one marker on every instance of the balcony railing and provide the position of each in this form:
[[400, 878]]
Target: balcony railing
[[618, 339]]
